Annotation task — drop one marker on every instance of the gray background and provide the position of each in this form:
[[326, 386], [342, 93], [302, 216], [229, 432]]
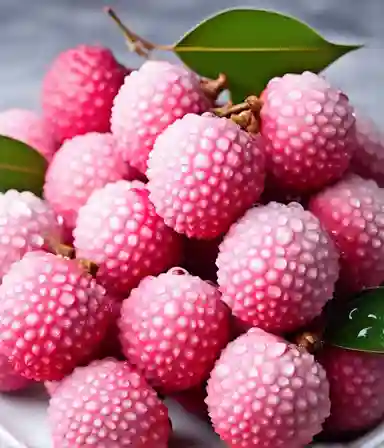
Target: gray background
[[32, 32]]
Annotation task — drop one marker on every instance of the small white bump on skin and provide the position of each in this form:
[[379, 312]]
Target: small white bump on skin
[[52, 336], [253, 388], [295, 268], [192, 309], [128, 258], [137, 417], [351, 212], [314, 123]]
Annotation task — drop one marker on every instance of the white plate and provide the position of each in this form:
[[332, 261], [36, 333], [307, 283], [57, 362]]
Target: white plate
[[23, 425]]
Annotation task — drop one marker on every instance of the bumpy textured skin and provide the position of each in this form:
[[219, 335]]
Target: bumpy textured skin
[[151, 99], [352, 211], [214, 172], [78, 91], [28, 127], [26, 223], [108, 405], [82, 165], [357, 389], [173, 328], [277, 267], [119, 230], [368, 158], [52, 315], [10, 380], [308, 128], [265, 392]]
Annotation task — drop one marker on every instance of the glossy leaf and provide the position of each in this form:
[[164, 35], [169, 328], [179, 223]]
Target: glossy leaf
[[21, 167], [252, 46], [360, 324]]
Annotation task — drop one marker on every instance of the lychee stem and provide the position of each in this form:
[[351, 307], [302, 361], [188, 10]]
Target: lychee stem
[[311, 342], [213, 87], [88, 266], [64, 250]]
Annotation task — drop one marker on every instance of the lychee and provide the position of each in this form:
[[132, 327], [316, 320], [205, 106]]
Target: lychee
[[52, 315], [357, 389], [78, 91], [82, 165], [26, 223], [118, 229], [368, 157], [277, 267], [214, 172], [28, 127], [151, 99], [308, 129], [264, 391], [107, 404], [352, 211], [10, 380], [173, 327]]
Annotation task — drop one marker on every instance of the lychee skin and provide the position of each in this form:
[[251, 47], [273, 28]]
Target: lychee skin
[[173, 327], [356, 387], [26, 223], [120, 231], [308, 128], [82, 165], [265, 392], [352, 212], [368, 157], [28, 127], [277, 267], [151, 99], [108, 404], [78, 91], [10, 380], [214, 172], [52, 315]]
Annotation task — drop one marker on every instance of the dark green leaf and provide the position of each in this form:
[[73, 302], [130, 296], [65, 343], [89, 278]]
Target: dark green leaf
[[21, 167], [252, 46], [359, 325]]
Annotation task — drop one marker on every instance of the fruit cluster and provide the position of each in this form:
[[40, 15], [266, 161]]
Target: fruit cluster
[[199, 241]]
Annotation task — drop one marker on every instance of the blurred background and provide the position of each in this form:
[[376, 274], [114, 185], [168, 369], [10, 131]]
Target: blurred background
[[32, 33]]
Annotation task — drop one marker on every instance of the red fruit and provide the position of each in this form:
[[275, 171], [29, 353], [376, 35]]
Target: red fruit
[[265, 392], [172, 328], [52, 386], [108, 404], [52, 315], [151, 99], [277, 267], [28, 127], [214, 172], [308, 129], [119, 230], [10, 380], [368, 158], [357, 389], [352, 211], [78, 91], [82, 165]]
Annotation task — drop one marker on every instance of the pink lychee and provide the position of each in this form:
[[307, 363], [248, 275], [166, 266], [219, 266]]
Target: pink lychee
[[173, 328], [52, 315], [264, 391], [28, 127], [151, 99], [119, 230], [277, 267], [107, 404], [214, 172], [78, 91], [10, 380], [308, 130]]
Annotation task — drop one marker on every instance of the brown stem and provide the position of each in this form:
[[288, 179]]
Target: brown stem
[[213, 87], [310, 341], [88, 266], [63, 250]]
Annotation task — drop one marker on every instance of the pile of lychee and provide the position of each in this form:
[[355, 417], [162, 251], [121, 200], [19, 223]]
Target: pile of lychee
[[182, 245]]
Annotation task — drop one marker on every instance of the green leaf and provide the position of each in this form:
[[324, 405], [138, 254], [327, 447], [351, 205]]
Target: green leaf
[[21, 167], [252, 46], [359, 325]]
